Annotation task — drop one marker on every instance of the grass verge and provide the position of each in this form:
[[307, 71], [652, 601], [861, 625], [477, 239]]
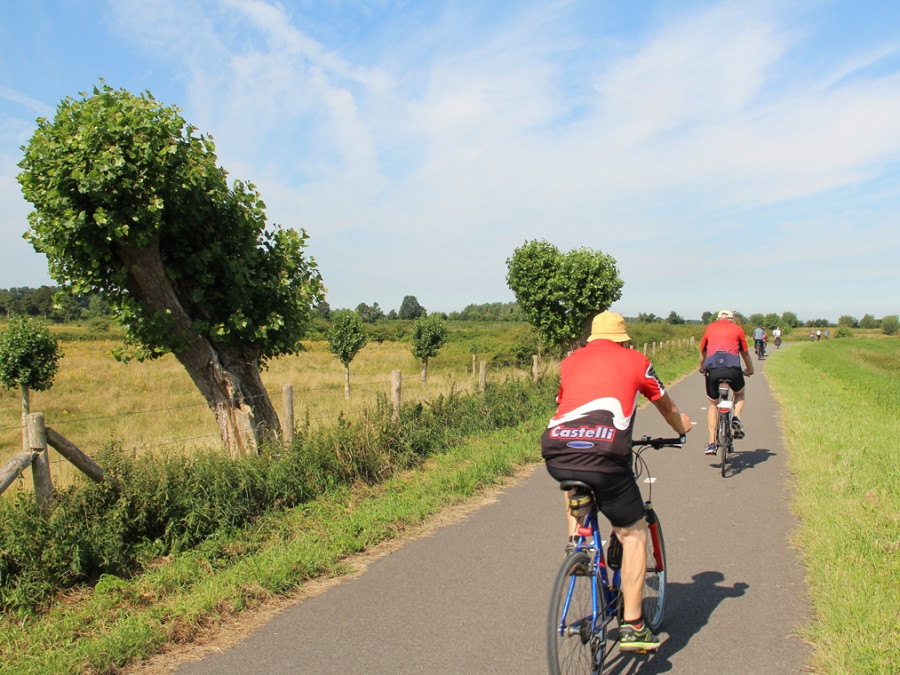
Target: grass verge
[[840, 401]]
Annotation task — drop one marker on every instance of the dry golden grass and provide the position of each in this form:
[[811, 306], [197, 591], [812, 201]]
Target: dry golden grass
[[155, 407]]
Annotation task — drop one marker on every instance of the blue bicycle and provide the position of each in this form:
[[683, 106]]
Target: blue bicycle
[[587, 596]]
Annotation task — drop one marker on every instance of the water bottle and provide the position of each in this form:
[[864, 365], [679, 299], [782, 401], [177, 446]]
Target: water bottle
[[614, 552]]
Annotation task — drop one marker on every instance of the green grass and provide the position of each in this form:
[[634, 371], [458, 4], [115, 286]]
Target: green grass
[[840, 402]]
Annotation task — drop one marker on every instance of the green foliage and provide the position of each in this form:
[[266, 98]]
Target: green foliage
[[559, 293], [120, 183], [890, 324], [172, 504], [771, 321], [843, 332], [29, 356], [847, 320], [756, 319], [410, 308], [492, 311], [789, 319], [429, 335], [347, 335], [369, 314], [675, 319], [868, 321]]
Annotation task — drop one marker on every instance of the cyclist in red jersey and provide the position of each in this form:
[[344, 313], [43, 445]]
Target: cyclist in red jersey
[[721, 350], [589, 439]]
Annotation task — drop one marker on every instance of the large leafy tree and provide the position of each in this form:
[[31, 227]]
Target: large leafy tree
[[346, 337], [429, 335], [129, 203], [559, 293]]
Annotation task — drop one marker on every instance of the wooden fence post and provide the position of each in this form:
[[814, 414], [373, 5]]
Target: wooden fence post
[[535, 366], [14, 467], [396, 390], [473, 366], [40, 465], [287, 414], [482, 376]]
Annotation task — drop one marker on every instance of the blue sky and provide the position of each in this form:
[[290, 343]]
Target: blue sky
[[726, 154]]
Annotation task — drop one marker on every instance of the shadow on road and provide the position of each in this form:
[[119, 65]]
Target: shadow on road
[[688, 609], [747, 460]]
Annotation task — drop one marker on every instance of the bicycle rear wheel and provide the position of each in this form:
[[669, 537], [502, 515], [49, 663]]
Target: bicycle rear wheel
[[723, 440], [576, 642], [654, 605]]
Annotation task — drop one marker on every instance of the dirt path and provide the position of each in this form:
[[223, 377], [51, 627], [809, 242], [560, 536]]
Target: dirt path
[[471, 596]]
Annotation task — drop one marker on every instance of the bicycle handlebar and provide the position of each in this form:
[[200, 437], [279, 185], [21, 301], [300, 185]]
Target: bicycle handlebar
[[658, 443]]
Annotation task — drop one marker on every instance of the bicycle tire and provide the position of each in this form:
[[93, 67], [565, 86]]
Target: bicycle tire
[[654, 603], [723, 440], [573, 646]]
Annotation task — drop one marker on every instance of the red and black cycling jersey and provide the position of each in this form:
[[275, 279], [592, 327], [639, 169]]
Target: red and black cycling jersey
[[723, 343], [597, 402]]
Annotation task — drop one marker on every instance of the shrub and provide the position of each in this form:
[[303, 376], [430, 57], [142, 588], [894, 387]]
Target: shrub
[[843, 332], [890, 324]]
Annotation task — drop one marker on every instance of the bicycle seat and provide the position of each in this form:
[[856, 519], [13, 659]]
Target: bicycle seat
[[575, 485]]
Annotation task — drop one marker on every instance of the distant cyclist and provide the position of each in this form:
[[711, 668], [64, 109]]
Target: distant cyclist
[[721, 350], [776, 335], [759, 340]]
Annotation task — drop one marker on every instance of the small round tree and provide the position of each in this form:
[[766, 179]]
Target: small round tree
[[29, 358], [890, 324], [346, 337], [560, 293], [429, 335]]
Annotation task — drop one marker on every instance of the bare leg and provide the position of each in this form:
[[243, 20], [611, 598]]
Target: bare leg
[[634, 567]]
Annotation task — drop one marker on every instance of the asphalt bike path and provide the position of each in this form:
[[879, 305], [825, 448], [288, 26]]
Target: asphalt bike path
[[472, 596]]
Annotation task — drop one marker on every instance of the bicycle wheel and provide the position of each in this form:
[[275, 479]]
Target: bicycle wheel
[[575, 642], [655, 580], [723, 439]]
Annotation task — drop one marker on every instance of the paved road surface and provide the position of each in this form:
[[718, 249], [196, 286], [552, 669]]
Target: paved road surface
[[472, 596]]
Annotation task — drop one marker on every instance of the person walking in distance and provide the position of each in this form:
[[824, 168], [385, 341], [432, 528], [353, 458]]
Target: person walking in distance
[[589, 440], [721, 349]]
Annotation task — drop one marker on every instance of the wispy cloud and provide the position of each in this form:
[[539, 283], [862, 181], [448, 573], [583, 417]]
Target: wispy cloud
[[445, 127]]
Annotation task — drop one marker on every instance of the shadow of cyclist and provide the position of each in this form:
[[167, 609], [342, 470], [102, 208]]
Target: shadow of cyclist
[[747, 460], [688, 609]]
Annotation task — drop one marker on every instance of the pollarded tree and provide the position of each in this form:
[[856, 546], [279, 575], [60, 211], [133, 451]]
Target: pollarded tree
[[559, 293], [130, 204], [346, 337], [868, 321], [29, 358], [890, 324], [429, 335]]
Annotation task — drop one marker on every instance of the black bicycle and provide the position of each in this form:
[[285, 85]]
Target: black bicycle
[[724, 433], [587, 595]]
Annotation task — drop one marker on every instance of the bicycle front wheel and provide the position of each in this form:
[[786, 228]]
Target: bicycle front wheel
[[576, 633], [655, 579]]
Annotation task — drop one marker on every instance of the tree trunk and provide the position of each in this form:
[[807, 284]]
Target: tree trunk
[[228, 377], [26, 408], [346, 381], [424, 371]]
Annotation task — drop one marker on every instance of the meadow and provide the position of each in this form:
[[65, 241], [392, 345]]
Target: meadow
[[153, 406], [839, 403]]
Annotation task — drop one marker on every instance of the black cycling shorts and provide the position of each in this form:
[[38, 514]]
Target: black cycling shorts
[[716, 375], [619, 497]]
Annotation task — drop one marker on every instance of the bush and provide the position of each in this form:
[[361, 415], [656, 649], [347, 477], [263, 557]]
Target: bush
[[843, 332], [890, 324]]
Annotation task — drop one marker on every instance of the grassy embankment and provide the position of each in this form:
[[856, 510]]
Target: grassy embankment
[[840, 402], [121, 621]]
